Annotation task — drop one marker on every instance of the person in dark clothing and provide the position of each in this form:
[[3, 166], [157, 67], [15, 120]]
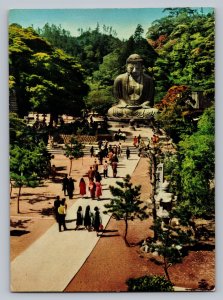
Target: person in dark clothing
[[97, 219], [92, 151], [65, 183], [57, 203], [70, 188], [79, 220], [87, 218], [101, 156], [62, 214], [97, 176], [127, 153]]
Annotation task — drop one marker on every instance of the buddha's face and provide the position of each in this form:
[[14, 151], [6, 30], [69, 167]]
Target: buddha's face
[[134, 68]]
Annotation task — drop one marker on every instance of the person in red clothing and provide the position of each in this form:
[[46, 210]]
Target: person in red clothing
[[82, 186], [135, 141], [92, 188], [114, 168], [98, 189]]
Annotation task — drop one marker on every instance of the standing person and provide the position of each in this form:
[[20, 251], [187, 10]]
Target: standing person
[[98, 189], [139, 139], [92, 188], [114, 168], [97, 176], [53, 172], [92, 151], [105, 167], [135, 141], [79, 220], [87, 218], [90, 174], [62, 214], [110, 155], [82, 186], [101, 155], [56, 206], [70, 189], [127, 152], [120, 150], [95, 166], [65, 183], [97, 219]]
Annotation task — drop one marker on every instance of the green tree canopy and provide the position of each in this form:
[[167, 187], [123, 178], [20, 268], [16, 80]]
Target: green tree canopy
[[44, 78]]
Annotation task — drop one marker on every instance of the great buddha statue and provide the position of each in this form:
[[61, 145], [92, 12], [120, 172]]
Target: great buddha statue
[[134, 91]]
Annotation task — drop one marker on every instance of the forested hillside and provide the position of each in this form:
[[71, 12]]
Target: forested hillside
[[184, 42], [178, 50], [44, 78]]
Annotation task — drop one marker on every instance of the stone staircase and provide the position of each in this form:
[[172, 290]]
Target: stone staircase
[[59, 149]]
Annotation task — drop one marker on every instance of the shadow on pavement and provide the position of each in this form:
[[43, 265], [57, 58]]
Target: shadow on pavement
[[18, 232]]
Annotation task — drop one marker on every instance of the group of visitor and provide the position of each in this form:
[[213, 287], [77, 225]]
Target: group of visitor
[[68, 186], [90, 221]]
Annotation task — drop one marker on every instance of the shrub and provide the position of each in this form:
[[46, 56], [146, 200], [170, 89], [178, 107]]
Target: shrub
[[149, 284]]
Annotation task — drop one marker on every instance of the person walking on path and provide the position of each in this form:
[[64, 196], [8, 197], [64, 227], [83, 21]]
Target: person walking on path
[[97, 219], [65, 183], [135, 141], [92, 188], [98, 189], [127, 153], [105, 167], [110, 155], [57, 203], [92, 151], [90, 174], [70, 189], [139, 139], [87, 218], [95, 166], [79, 220], [97, 176], [114, 168], [101, 156], [62, 214], [120, 150], [53, 172], [82, 186]]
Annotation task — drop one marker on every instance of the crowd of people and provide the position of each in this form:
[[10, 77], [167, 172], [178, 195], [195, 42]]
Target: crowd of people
[[104, 165]]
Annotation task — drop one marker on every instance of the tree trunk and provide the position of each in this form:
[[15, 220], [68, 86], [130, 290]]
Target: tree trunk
[[126, 231], [71, 162], [153, 183], [18, 210], [166, 268]]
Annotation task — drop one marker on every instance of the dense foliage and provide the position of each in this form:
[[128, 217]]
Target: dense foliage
[[184, 41], [44, 78], [191, 172], [149, 284], [29, 158]]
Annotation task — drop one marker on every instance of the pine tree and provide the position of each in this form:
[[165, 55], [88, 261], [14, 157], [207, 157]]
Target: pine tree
[[73, 150], [126, 204]]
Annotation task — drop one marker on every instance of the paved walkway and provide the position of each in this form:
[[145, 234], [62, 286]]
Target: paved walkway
[[51, 262]]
